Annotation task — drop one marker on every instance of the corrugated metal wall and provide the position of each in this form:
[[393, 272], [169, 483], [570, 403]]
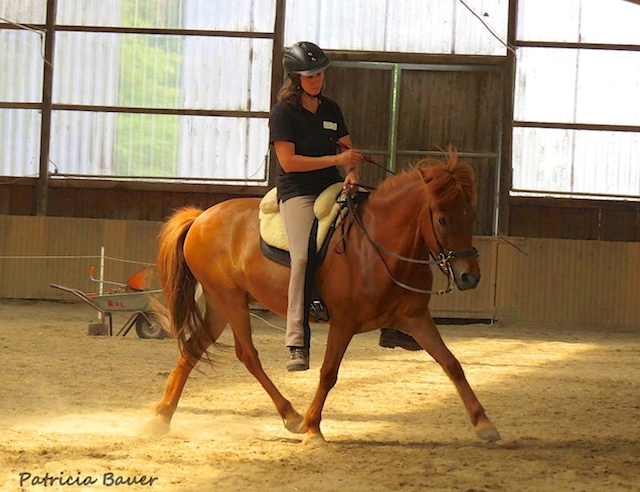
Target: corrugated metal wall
[[560, 282], [148, 73], [434, 26], [101, 69], [576, 130]]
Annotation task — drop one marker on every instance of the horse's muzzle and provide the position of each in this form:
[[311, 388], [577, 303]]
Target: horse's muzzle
[[467, 280]]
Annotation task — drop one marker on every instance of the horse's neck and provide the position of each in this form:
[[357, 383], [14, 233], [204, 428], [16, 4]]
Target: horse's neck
[[393, 218]]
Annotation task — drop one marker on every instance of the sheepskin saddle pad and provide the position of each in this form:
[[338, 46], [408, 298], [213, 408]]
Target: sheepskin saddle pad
[[272, 232]]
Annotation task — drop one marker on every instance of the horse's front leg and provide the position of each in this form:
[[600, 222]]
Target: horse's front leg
[[337, 343], [432, 342]]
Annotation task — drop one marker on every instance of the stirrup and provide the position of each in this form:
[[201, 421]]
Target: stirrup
[[318, 310]]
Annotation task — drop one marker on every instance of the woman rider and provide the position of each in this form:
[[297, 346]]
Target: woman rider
[[308, 132]]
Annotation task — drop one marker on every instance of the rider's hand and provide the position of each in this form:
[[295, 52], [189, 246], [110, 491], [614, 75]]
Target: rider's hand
[[349, 158], [351, 182]]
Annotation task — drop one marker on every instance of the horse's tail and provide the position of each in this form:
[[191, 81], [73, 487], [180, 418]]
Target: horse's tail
[[181, 317]]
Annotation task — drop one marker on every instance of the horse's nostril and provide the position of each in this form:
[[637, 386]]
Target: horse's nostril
[[469, 280]]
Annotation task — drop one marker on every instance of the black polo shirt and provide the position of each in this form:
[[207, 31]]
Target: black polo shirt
[[314, 135]]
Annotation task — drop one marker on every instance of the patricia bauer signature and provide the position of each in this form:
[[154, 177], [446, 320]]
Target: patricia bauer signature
[[107, 479]]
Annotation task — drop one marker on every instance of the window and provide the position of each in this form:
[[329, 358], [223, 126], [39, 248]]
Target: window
[[577, 117], [436, 26], [153, 90]]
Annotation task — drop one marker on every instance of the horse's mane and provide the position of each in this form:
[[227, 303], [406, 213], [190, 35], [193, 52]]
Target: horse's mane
[[444, 181]]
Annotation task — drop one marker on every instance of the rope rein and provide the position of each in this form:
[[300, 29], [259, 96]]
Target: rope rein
[[443, 260], [444, 257]]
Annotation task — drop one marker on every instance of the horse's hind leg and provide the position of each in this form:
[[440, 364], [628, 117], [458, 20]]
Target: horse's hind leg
[[432, 342], [239, 318], [189, 357]]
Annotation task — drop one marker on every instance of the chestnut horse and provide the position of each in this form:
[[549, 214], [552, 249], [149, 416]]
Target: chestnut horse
[[376, 274]]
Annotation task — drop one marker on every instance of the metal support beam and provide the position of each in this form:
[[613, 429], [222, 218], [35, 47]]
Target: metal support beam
[[42, 190], [277, 72], [505, 174]]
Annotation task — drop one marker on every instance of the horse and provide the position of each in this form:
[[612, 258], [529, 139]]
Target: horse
[[376, 273]]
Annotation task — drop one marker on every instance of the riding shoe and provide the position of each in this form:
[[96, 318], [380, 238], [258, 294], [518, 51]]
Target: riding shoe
[[298, 359], [391, 338]]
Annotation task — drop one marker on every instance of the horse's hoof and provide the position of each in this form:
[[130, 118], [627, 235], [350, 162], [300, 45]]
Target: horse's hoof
[[313, 440], [487, 432], [295, 424], [155, 426]]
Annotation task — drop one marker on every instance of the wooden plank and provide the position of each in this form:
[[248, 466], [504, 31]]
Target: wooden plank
[[567, 282], [443, 108], [61, 250], [555, 281], [476, 303]]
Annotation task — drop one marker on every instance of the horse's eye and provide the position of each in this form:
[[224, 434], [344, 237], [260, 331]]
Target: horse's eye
[[442, 221]]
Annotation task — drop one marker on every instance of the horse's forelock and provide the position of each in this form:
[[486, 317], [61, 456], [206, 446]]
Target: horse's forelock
[[447, 181]]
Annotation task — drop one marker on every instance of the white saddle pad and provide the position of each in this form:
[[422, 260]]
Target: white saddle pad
[[272, 231]]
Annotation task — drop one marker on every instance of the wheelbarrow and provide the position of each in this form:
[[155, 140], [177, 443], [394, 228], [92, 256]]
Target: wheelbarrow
[[131, 297]]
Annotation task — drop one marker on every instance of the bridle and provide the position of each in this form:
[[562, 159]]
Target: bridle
[[443, 259]]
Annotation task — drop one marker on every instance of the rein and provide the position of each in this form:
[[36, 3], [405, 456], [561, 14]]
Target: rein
[[443, 260]]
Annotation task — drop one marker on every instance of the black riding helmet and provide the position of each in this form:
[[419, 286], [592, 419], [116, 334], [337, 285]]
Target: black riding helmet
[[304, 58]]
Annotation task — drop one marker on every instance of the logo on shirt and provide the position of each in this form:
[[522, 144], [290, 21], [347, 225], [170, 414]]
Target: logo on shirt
[[330, 125]]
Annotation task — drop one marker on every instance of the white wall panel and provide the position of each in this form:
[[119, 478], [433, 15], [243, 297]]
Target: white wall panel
[[24, 11], [231, 74], [20, 149], [223, 148], [587, 21], [578, 86], [21, 62], [433, 26], [577, 162]]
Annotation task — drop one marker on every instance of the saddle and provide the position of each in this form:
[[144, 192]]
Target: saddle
[[272, 232], [329, 213]]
